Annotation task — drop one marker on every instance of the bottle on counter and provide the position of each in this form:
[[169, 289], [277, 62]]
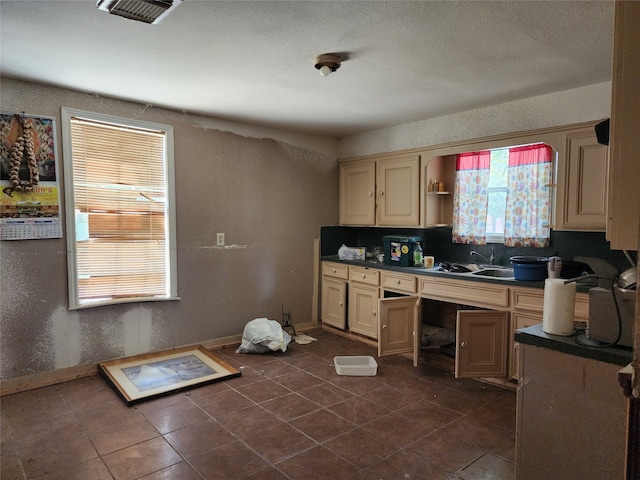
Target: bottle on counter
[[417, 256]]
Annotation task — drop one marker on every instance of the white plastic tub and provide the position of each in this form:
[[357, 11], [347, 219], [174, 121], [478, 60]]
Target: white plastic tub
[[362, 366]]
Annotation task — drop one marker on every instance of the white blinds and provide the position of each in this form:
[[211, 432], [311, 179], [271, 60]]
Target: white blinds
[[119, 184]]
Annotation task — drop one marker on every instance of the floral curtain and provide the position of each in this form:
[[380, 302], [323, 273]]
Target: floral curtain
[[528, 204], [470, 198]]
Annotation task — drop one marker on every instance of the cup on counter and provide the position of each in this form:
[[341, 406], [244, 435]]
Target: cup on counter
[[428, 261]]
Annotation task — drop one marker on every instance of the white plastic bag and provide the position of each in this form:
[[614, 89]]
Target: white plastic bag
[[263, 335], [351, 253]]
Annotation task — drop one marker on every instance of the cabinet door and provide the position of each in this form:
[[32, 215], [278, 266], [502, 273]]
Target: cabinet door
[[363, 310], [624, 195], [571, 418], [519, 320], [357, 193], [398, 187], [334, 296], [396, 324], [481, 343], [585, 203]]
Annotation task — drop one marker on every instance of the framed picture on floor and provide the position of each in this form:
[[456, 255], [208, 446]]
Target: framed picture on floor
[[152, 375]]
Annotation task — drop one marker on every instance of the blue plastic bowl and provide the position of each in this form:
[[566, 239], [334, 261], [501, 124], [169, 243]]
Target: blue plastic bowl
[[530, 272]]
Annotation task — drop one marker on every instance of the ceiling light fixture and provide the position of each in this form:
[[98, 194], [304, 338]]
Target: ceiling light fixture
[[327, 63]]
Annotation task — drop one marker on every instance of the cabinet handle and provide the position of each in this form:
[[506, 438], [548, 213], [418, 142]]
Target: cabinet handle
[[334, 270], [384, 327], [370, 194], [373, 313], [364, 275], [397, 281], [463, 344], [381, 194], [340, 303]]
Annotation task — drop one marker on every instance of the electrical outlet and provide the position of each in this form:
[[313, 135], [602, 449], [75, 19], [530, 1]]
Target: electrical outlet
[[220, 239]]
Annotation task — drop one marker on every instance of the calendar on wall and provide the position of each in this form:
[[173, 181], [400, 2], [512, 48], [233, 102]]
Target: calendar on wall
[[30, 198]]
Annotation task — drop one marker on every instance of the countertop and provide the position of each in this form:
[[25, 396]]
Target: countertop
[[580, 286], [537, 337]]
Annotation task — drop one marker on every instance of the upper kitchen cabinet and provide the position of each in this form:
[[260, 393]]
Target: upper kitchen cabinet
[[383, 192], [398, 185], [624, 195], [437, 194], [396, 190], [584, 206], [358, 193]]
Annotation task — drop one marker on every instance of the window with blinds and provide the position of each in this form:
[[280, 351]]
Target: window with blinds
[[119, 196]]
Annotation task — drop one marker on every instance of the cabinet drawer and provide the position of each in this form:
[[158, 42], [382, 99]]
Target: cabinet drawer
[[337, 270], [364, 275], [464, 291], [531, 299], [397, 281], [524, 320], [582, 306]]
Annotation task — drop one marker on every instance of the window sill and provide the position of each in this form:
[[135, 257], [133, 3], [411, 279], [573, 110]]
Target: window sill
[[120, 301]]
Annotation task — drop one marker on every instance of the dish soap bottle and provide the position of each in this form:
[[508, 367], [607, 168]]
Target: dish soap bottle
[[417, 256]]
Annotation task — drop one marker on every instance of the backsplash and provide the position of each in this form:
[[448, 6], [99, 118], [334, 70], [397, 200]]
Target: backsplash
[[437, 242]]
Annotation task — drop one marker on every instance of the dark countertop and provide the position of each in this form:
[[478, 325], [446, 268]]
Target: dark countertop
[[537, 337], [512, 282]]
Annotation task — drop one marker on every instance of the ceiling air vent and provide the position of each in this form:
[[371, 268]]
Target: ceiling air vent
[[147, 11]]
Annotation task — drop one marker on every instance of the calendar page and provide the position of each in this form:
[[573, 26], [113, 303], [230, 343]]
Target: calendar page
[[30, 198]]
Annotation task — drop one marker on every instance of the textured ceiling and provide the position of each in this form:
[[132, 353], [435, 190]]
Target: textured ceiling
[[252, 61]]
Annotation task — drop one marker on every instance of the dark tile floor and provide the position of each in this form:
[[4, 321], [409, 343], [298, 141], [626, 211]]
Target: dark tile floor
[[289, 416]]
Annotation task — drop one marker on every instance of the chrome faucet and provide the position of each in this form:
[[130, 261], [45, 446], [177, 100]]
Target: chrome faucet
[[489, 260]]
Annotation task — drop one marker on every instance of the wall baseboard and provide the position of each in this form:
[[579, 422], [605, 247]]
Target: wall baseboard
[[53, 377]]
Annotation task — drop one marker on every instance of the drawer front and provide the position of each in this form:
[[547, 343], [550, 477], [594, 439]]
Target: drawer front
[[364, 275], [397, 281], [531, 299], [523, 320], [582, 306], [461, 291], [336, 270]]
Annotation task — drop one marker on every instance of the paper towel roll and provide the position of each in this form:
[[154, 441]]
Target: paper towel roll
[[559, 305]]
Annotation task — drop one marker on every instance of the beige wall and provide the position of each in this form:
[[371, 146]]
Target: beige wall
[[268, 191], [578, 105]]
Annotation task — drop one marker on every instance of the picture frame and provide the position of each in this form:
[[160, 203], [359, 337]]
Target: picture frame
[[152, 375]]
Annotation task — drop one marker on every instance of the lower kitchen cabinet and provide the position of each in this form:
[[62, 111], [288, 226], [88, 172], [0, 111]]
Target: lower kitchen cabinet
[[387, 306], [398, 325], [334, 302], [571, 417], [520, 320], [363, 310], [481, 343]]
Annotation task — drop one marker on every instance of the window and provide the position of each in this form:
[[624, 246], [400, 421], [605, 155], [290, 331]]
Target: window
[[119, 197], [497, 195], [502, 196]]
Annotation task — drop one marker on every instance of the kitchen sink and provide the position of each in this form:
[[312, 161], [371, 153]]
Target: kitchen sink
[[495, 272]]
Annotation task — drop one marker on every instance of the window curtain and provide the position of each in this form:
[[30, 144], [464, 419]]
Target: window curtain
[[470, 198], [528, 203]]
